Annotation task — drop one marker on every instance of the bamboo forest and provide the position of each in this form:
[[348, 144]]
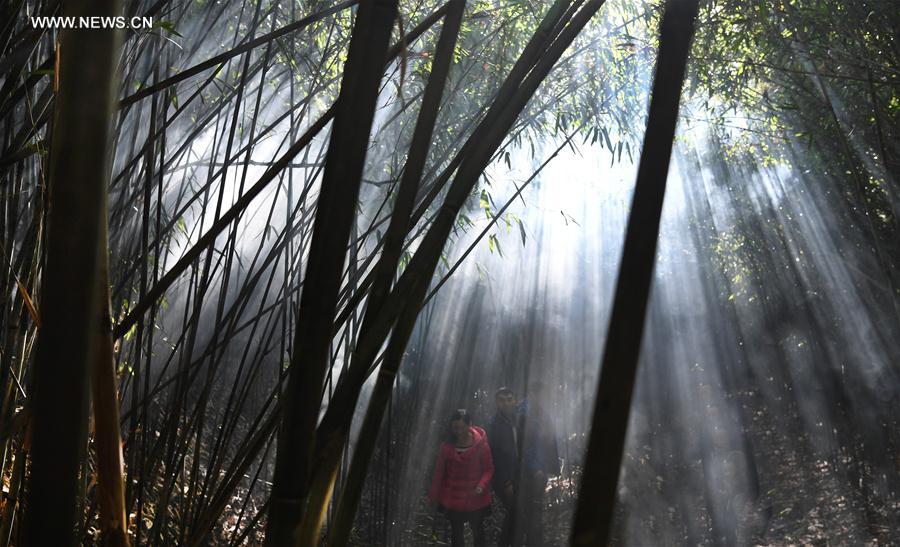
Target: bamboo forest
[[450, 272]]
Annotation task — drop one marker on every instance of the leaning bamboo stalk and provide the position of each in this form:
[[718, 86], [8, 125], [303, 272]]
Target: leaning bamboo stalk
[[79, 167], [107, 437], [348, 501], [397, 229], [408, 297], [244, 201], [234, 52], [334, 217], [410, 288], [597, 493], [382, 317]]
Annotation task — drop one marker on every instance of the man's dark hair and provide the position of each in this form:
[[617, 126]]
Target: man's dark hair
[[504, 391]]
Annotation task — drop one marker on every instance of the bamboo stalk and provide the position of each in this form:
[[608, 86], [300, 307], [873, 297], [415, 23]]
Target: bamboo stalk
[[489, 136], [397, 230], [335, 212], [481, 144], [107, 438], [209, 237], [234, 52], [78, 180], [597, 493]]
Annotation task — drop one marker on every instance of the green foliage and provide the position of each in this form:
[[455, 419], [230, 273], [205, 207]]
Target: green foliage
[[771, 75], [167, 26]]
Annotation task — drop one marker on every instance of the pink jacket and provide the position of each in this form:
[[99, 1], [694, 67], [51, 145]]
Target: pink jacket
[[457, 474]]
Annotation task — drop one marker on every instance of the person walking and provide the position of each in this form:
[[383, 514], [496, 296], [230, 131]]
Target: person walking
[[462, 475], [504, 434]]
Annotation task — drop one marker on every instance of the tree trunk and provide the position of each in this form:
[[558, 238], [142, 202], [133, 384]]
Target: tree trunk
[[596, 499], [533, 66], [411, 288], [381, 318], [328, 462], [335, 214], [79, 170]]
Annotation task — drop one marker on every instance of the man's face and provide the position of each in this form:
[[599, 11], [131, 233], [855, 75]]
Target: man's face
[[506, 404]]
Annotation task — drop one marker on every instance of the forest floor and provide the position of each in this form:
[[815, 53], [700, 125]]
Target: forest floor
[[805, 499]]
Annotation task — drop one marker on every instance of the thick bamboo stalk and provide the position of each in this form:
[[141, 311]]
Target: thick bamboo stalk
[[79, 167], [596, 499], [335, 214], [398, 228], [385, 269], [484, 140]]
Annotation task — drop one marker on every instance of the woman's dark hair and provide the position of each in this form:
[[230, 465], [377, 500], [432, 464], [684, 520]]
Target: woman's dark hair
[[459, 414]]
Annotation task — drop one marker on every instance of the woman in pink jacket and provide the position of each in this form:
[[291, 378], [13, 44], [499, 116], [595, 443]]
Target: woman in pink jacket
[[462, 477]]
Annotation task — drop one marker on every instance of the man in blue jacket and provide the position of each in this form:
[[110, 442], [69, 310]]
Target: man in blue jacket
[[523, 444], [504, 438]]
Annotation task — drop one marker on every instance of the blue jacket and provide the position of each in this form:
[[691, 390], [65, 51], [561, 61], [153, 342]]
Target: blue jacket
[[527, 443], [504, 437], [539, 450]]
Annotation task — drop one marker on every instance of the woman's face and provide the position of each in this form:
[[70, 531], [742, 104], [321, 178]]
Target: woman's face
[[459, 430]]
